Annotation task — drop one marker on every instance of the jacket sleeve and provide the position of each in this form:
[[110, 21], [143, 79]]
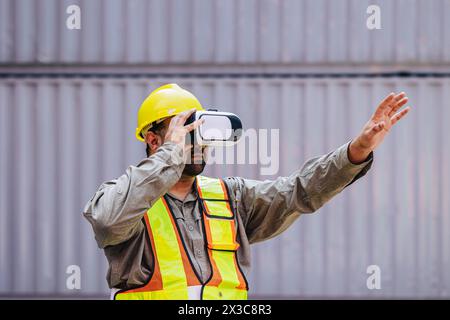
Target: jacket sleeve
[[116, 209], [267, 208]]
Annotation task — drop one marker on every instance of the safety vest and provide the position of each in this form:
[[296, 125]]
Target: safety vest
[[174, 276]]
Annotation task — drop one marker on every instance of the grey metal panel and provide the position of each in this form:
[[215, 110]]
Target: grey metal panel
[[90, 160], [5, 217], [203, 31], [46, 210], [292, 42], [60, 138], [6, 32], [92, 32], [202, 22]]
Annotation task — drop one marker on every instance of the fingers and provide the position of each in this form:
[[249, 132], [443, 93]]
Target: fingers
[[400, 96], [399, 115], [181, 118], [384, 105], [391, 104], [194, 125], [397, 105]]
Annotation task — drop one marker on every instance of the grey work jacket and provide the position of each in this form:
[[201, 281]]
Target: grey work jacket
[[264, 209]]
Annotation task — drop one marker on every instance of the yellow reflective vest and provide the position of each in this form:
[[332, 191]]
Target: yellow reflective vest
[[173, 276]]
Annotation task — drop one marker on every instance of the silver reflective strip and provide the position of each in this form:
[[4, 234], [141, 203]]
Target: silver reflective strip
[[194, 292], [113, 292]]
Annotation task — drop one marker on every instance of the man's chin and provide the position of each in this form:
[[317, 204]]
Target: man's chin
[[193, 170]]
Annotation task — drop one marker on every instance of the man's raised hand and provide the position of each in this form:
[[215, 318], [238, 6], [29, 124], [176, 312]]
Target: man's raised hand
[[374, 131]]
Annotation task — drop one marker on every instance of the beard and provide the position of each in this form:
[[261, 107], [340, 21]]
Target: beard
[[196, 162], [192, 170]]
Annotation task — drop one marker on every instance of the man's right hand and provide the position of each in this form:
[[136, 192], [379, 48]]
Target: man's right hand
[[177, 131]]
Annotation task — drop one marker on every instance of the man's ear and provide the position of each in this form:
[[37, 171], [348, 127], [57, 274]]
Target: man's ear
[[153, 141]]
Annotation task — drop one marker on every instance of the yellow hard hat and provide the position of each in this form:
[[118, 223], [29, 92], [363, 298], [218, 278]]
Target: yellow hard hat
[[166, 101]]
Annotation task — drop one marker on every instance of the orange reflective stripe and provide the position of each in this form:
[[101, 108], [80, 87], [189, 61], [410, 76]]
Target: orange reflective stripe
[[192, 279], [155, 283], [214, 196], [175, 286], [173, 276], [215, 279], [224, 235], [220, 209], [224, 190], [242, 283], [167, 247], [227, 280], [211, 188]]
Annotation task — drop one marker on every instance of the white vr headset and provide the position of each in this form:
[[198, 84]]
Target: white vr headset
[[218, 129]]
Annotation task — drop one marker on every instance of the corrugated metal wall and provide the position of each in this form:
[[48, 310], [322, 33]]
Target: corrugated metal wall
[[60, 138], [62, 135], [232, 31]]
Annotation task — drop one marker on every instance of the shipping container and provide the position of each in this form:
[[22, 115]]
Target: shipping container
[[60, 138], [205, 32]]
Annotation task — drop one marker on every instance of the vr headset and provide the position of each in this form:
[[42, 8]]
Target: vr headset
[[218, 129]]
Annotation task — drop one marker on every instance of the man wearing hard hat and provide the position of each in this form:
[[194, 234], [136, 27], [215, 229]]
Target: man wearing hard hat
[[170, 233]]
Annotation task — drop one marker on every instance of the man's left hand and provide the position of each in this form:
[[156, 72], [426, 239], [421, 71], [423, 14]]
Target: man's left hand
[[374, 131]]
